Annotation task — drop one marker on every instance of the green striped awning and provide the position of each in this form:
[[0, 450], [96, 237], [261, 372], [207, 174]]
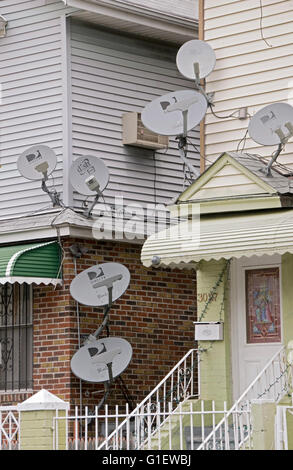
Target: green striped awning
[[32, 263]]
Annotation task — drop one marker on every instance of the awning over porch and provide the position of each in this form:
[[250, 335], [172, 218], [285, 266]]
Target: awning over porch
[[33, 263], [221, 236]]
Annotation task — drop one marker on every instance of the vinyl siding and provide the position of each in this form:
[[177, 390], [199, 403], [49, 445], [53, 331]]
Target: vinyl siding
[[249, 72], [31, 105], [111, 75]]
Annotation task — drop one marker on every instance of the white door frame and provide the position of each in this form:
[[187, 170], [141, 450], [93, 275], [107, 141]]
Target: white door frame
[[237, 289]]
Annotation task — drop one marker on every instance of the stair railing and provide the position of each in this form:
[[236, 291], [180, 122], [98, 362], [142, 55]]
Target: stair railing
[[180, 383], [271, 383]]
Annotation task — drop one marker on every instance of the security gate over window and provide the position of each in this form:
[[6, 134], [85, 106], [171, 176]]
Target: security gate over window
[[15, 337]]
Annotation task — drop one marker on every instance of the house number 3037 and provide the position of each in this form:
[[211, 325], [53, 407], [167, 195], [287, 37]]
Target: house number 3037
[[205, 296]]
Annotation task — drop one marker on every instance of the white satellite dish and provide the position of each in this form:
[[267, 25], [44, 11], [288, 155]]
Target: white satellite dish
[[195, 59], [101, 360], [89, 175], [91, 286], [37, 162], [272, 125], [166, 115]]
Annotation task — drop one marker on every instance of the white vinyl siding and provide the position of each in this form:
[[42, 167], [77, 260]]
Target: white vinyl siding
[[111, 75], [249, 72], [31, 110]]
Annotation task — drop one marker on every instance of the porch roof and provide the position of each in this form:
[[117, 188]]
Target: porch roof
[[221, 236], [37, 263]]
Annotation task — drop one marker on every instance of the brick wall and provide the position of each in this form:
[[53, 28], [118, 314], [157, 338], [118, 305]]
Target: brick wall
[[155, 315]]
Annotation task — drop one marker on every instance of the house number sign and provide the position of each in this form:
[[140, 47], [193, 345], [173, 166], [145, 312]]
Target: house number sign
[[207, 296]]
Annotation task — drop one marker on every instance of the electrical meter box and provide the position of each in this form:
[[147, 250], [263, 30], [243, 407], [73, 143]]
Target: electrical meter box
[[208, 331]]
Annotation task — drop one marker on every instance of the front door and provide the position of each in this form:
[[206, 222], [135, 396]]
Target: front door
[[256, 326]]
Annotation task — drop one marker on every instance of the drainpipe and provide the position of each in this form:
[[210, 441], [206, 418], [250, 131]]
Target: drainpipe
[[77, 251]]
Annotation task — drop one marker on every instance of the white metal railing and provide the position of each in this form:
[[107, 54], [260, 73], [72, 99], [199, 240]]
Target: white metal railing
[[177, 386], [271, 383], [185, 428], [180, 383], [9, 428]]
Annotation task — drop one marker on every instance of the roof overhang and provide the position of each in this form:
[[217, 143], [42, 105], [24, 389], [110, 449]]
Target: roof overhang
[[135, 19], [224, 236]]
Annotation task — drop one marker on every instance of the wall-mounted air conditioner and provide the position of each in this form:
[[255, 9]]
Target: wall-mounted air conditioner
[[134, 133]]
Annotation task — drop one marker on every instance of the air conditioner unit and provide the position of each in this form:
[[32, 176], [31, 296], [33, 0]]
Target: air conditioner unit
[[134, 133]]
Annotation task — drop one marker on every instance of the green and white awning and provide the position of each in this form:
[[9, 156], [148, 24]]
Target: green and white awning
[[32, 263]]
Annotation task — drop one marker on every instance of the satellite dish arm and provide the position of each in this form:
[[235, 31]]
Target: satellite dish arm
[[273, 159], [96, 334], [54, 196], [182, 152], [88, 211]]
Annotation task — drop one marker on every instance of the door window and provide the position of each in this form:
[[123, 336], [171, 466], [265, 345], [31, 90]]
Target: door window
[[263, 321]]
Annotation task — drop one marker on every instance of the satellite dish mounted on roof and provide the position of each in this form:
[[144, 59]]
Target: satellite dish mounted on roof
[[37, 163], [272, 125], [89, 176]]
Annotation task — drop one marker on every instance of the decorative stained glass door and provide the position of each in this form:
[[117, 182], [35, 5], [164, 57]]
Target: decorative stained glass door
[[263, 322], [256, 317]]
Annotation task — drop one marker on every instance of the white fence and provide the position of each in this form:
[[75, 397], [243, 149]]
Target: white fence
[[185, 428], [9, 428]]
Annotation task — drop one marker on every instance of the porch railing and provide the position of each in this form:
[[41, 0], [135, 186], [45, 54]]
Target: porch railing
[[271, 383]]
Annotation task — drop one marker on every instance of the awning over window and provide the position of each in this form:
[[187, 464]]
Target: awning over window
[[221, 236], [33, 263]]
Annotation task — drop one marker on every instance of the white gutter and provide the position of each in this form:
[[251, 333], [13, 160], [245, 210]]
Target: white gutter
[[124, 9], [135, 15]]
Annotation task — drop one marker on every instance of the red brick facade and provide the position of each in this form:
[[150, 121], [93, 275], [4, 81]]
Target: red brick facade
[[155, 315]]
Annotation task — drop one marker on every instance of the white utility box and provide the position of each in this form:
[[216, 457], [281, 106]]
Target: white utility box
[[208, 331]]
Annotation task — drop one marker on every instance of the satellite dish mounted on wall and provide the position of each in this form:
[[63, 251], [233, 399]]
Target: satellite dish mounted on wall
[[37, 163], [99, 286], [101, 360], [272, 125], [195, 60], [175, 114], [89, 176]]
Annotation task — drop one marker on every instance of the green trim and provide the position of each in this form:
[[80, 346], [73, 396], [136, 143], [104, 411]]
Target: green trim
[[212, 170]]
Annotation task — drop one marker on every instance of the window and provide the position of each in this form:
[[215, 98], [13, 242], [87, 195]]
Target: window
[[15, 337], [263, 306]]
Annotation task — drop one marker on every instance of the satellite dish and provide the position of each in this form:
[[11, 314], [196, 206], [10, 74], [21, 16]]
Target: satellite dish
[[272, 125], [91, 286], [101, 360], [37, 162], [89, 175], [195, 59], [165, 115]]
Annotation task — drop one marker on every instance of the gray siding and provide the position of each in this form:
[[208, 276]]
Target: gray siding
[[31, 105], [110, 75]]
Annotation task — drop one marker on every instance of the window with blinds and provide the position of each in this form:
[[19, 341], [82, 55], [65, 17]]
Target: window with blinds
[[16, 351]]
